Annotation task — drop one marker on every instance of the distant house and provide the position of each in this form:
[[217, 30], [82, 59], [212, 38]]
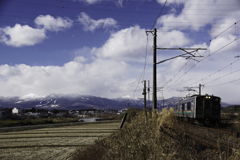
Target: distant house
[[16, 111], [122, 111]]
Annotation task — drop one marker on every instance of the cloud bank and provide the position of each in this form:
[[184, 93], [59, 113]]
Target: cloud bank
[[20, 36]]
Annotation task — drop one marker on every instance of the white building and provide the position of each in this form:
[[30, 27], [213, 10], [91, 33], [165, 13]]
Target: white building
[[124, 110], [16, 111]]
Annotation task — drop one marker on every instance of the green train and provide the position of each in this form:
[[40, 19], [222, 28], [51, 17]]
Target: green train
[[199, 108]]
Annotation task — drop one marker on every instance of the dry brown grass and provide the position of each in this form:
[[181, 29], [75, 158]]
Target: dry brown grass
[[157, 139]]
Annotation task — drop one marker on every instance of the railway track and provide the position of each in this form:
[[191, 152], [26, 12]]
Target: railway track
[[215, 129], [202, 135]]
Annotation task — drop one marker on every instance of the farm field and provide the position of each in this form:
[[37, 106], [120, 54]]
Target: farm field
[[52, 143]]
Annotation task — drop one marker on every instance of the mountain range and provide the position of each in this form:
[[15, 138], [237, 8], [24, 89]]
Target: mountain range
[[76, 102]]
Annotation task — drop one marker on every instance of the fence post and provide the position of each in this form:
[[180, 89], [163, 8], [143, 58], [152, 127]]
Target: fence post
[[123, 120]]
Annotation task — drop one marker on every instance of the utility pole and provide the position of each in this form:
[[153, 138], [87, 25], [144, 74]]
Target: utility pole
[[148, 94], [154, 69], [154, 97], [145, 103], [163, 99], [200, 89]]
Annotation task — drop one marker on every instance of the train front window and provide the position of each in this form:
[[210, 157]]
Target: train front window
[[200, 102], [216, 103]]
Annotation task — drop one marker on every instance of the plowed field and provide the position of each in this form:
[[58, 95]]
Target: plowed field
[[51, 143]]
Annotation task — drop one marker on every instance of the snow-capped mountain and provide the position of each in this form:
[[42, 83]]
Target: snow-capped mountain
[[61, 101], [76, 101], [30, 96]]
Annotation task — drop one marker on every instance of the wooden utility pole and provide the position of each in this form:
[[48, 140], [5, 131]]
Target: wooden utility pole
[[145, 102], [148, 95], [154, 97], [200, 89], [154, 69]]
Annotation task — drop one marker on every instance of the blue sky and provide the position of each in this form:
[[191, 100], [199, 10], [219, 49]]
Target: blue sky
[[98, 47]]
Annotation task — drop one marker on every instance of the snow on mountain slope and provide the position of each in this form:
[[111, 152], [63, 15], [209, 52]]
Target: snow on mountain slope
[[30, 96], [76, 101]]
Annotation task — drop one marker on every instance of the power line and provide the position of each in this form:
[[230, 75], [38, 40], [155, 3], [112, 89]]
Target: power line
[[224, 83], [33, 18], [34, 13], [69, 7], [215, 72], [225, 30], [103, 5], [199, 61], [159, 14], [152, 2], [143, 72], [203, 60], [222, 77], [80, 28]]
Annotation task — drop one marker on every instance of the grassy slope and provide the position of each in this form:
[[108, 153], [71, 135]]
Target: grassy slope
[[158, 139]]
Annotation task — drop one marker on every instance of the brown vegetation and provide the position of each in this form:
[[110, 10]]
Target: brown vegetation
[[159, 138]]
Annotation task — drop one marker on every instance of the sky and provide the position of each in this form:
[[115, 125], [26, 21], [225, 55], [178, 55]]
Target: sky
[[101, 48]]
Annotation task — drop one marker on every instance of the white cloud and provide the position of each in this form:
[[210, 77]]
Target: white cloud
[[91, 24], [130, 43], [53, 24], [19, 36], [80, 59], [196, 14], [106, 78], [222, 41], [224, 23]]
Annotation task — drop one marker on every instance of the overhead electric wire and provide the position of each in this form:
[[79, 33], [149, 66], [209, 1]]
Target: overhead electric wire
[[159, 14], [223, 83], [125, 5], [33, 18], [80, 28], [34, 13], [225, 30], [103, 5], [136, 1], [143, 72], [64, 7], [215, 72], [199, 61], [104, 9], [221, 77], [203, 60]]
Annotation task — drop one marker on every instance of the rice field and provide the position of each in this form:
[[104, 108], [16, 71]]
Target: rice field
[[52, 143]]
